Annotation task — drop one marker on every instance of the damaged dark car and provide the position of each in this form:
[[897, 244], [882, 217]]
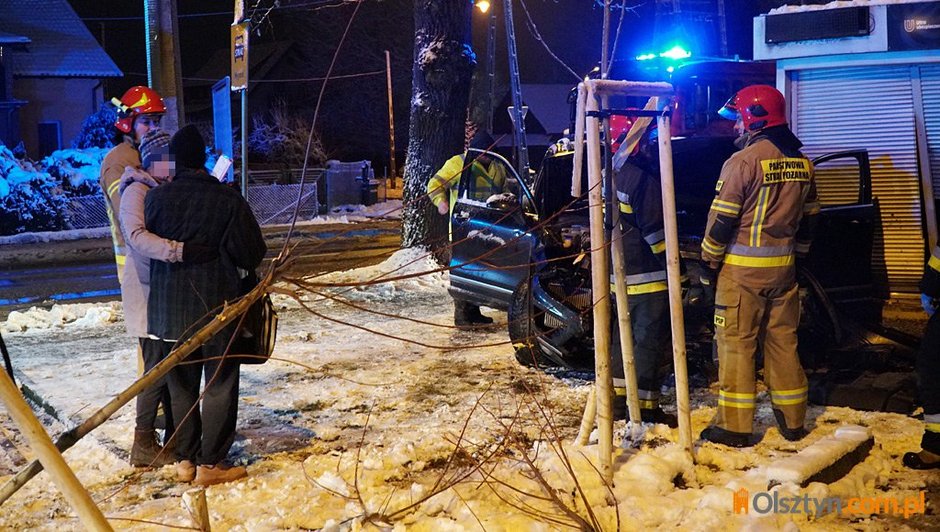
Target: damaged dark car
[[526, 250]]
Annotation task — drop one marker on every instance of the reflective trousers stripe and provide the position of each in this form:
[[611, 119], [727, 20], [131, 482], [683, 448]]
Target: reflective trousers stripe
[[789, 397], [760, 262]]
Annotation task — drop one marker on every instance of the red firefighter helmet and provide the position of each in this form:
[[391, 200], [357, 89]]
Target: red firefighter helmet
[[758, 106], [138, 100], [619, 127]]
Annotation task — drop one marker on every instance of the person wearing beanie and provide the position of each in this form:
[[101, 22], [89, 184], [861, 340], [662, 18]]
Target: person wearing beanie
[[488, 177], [189, 148], [196, 207], [141, 247]]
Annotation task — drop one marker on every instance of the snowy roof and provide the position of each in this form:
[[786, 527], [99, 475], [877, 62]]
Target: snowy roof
[[61, 45], [838, 4]]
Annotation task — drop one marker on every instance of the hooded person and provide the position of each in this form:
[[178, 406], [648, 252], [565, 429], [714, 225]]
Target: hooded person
[[196, 207], [485, 177]]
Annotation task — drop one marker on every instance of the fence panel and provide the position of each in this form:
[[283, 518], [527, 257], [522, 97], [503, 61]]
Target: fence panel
[[272, 204]]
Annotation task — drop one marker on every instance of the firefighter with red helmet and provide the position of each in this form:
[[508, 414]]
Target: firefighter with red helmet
[[643, 239], [759, 223], [138, 112]]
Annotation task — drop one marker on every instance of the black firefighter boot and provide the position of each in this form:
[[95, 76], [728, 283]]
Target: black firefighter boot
[[789, 434], [468, 315], [146, 452]]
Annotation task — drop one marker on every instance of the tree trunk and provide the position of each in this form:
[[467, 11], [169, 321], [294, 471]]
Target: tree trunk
[[443, 67]]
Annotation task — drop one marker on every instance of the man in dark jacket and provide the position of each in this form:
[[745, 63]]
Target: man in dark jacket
[[184, 296]]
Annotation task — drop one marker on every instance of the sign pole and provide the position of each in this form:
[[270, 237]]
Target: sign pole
[[239, 58]]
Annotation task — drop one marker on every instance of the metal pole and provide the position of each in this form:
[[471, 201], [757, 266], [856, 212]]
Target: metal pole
[[675, 288], [245, 143], [40, 443], [522, 150], [391, 118], [491, 70]]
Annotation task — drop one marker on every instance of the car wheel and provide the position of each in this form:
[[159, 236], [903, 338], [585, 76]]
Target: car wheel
[[523, 329]]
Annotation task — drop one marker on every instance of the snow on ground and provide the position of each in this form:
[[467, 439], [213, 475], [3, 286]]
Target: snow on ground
[[55, 236], [352, 421]]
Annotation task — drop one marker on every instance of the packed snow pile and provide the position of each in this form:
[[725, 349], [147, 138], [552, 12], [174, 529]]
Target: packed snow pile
[[62, 316], [407, 271], [358, 213]]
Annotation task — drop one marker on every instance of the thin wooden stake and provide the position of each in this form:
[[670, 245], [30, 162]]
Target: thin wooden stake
[[63, 477], [578, 162], [587, 420], [675, 289], [194, 501], [600, 287]]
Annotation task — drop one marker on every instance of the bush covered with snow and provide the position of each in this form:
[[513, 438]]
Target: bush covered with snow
[[75, 171], [98, 129], [281, 138], [30, 199]]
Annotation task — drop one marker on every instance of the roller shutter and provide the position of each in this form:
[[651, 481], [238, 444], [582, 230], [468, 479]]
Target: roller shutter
[[872, 108], [930, 87]]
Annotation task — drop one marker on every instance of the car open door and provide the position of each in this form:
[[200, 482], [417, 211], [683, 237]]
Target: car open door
[[490, 222], [841, 255]]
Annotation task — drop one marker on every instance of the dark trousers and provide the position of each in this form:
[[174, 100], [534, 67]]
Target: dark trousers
[[928, 380], [149, 400], [649, 315], [204, 437]]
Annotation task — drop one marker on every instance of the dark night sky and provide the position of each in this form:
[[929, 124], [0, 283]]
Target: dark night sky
[[570, 27], [353, 116]]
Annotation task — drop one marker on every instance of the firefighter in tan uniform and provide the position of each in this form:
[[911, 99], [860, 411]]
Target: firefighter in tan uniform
[[139, 111], [928, 370], [760, 221]]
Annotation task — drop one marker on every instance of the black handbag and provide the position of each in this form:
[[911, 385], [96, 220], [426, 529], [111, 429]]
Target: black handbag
[[255, 338]]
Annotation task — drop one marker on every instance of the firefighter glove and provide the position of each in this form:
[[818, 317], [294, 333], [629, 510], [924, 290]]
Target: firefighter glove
[[194, 253], [709, 278], [930, 304]]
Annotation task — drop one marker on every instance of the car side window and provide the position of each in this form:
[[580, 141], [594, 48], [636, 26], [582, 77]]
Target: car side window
[[838, 181]]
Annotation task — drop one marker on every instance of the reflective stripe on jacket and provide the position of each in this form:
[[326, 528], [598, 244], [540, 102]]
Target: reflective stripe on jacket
[[112, 168], [641, 222], [930, 282], [762, 214]]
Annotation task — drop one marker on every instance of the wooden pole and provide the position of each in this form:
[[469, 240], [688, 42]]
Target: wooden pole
[[600, 287], [194, 501], [63, 477], [69, 438], [587, 420], [675, 289], [624, 323], [393, 168], [578, 142]]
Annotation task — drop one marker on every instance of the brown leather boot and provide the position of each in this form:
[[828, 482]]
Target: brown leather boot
[[207, 475], [146, 452], [185, 471]]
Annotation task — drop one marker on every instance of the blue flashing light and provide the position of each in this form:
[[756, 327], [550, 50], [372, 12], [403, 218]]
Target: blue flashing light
[[670, 69], [645, 57], [676, 53]]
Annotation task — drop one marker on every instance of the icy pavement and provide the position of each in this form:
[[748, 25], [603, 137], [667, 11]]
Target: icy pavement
[[352, 427]]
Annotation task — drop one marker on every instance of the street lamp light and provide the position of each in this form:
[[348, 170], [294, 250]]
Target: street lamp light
[[483, 6]]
